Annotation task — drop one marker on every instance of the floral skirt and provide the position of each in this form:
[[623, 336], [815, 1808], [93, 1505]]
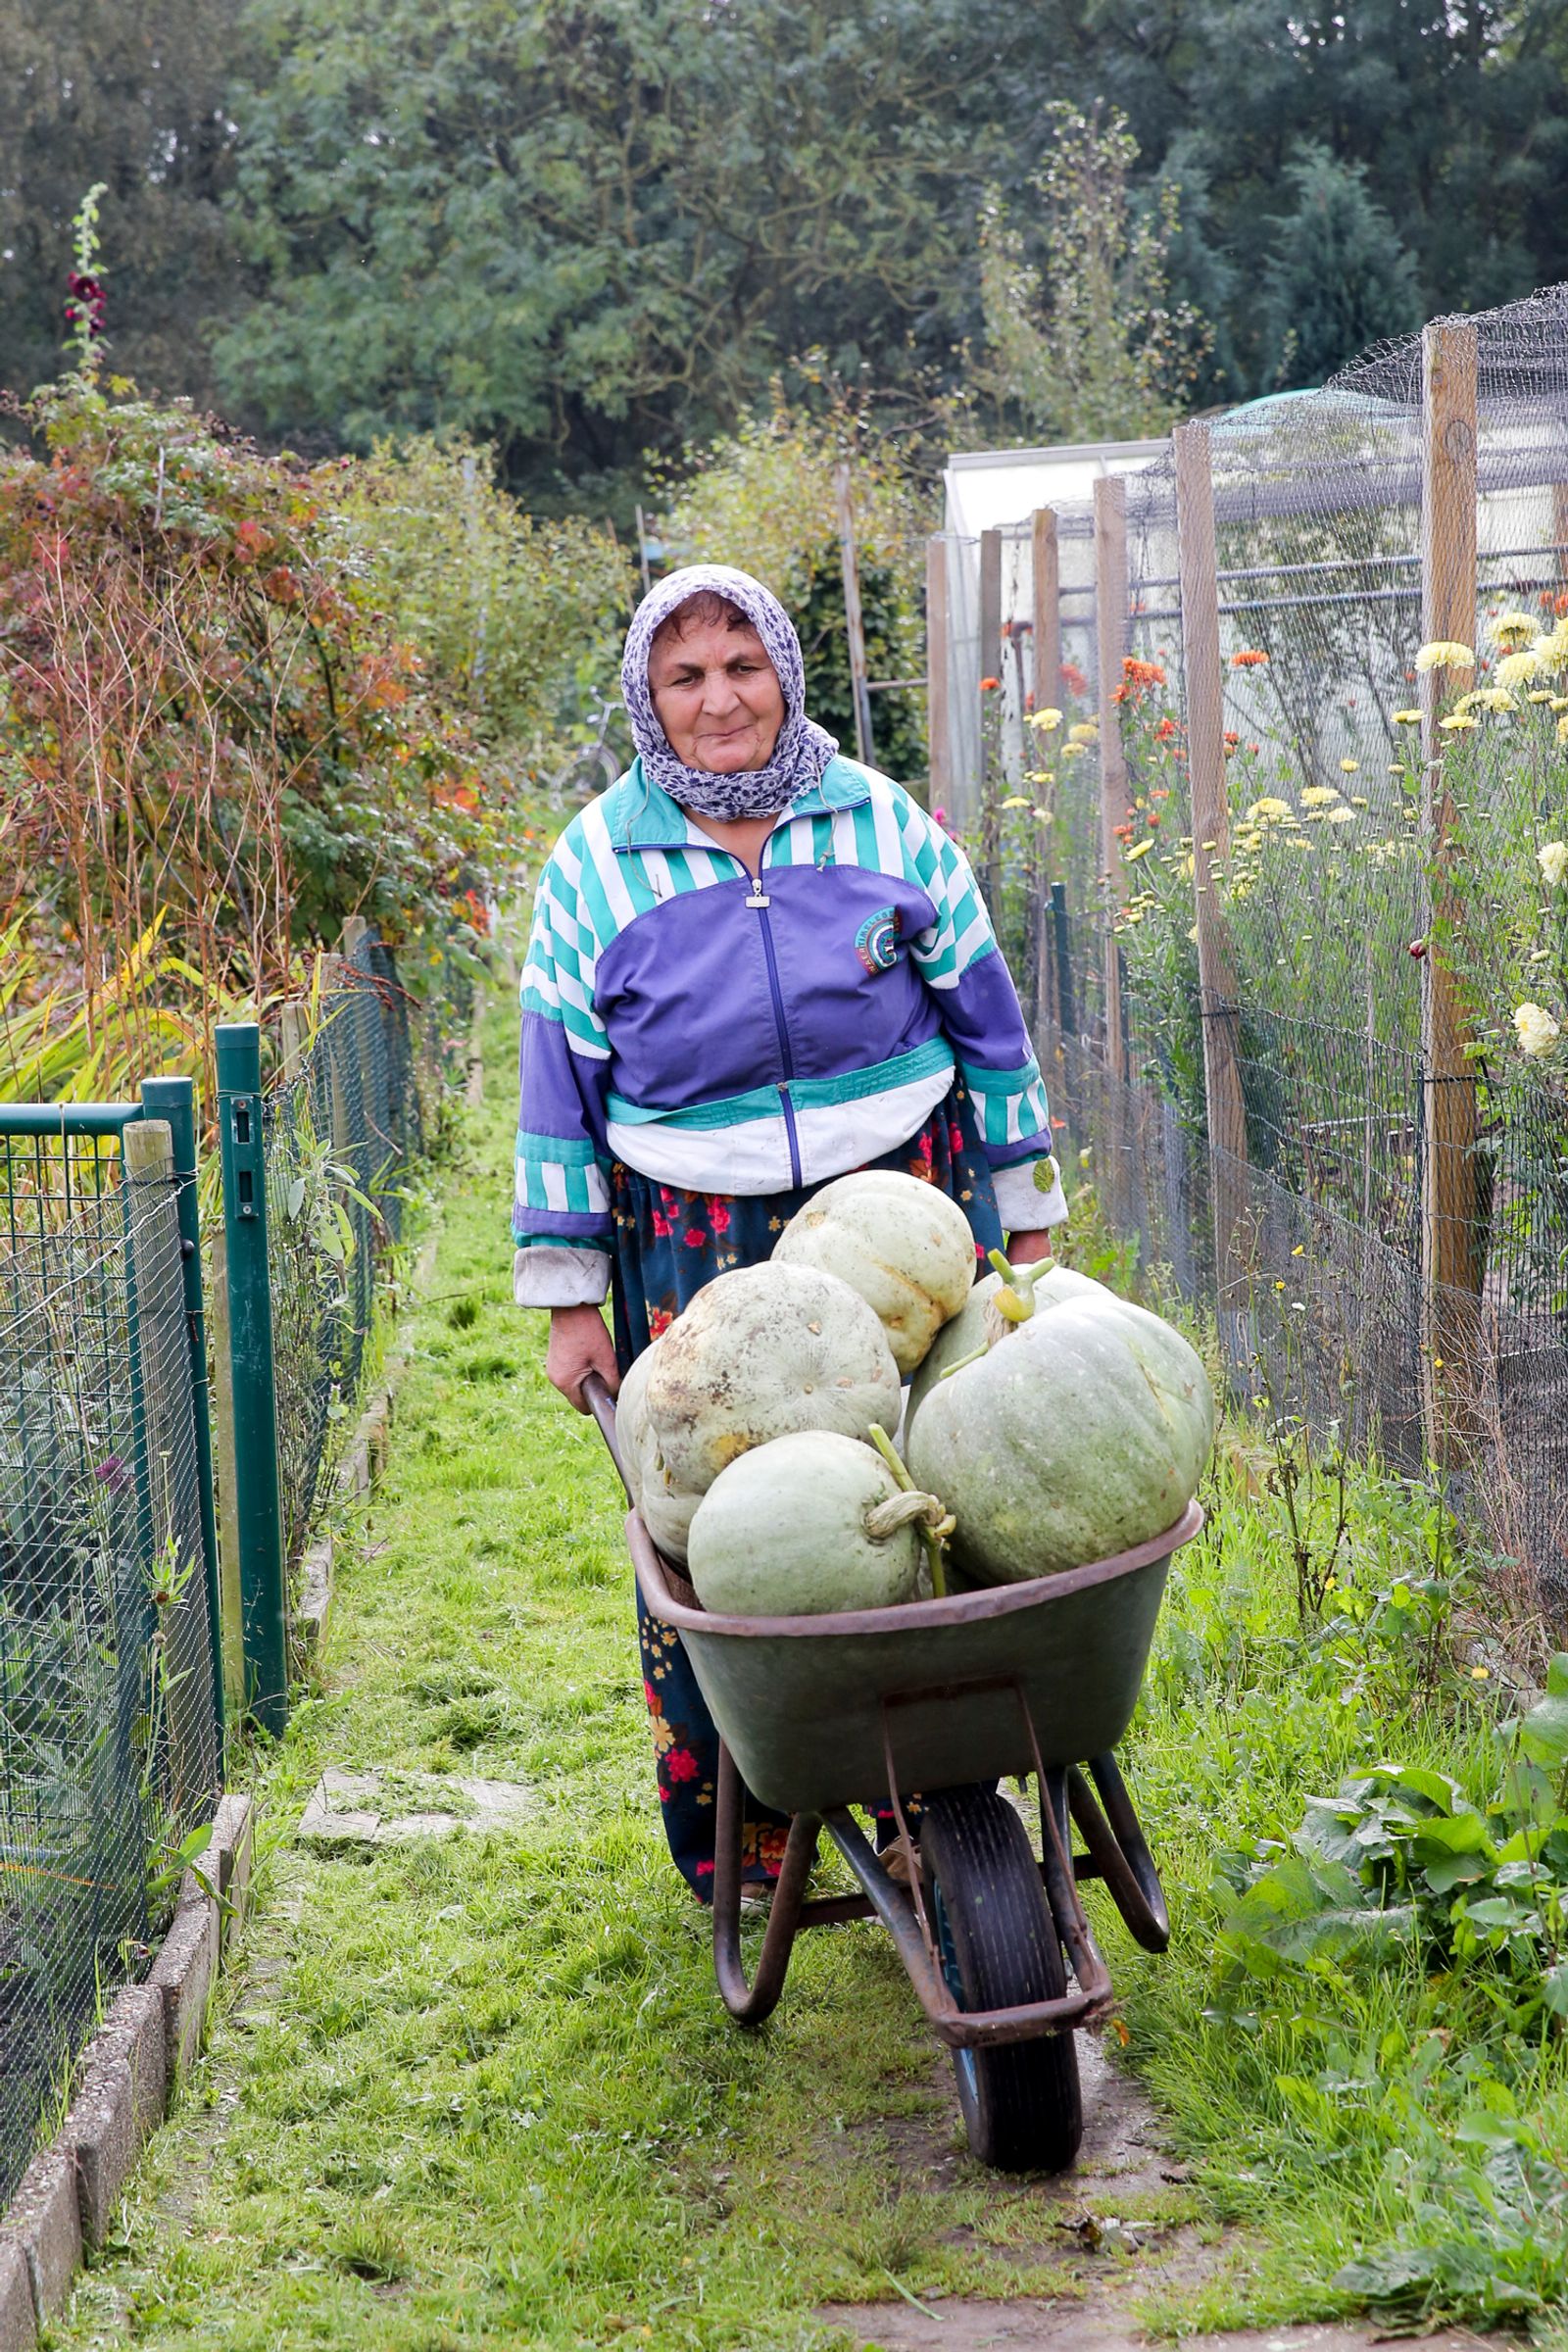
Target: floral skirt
[[667, 1243]]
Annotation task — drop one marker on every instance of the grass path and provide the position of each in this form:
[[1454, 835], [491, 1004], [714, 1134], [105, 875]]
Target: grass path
[[480, 2092]]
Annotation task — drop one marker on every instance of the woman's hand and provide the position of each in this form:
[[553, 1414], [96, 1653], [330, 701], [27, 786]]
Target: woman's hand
[[579, 1344], [1027, 1249]]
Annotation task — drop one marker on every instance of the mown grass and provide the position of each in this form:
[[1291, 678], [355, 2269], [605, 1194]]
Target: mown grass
[[480, 2092]]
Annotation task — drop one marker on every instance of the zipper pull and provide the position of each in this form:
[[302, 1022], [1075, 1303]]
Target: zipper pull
[[759, 895]]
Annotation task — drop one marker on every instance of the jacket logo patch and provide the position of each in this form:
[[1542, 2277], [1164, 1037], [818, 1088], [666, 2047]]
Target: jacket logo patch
[[876, 943]]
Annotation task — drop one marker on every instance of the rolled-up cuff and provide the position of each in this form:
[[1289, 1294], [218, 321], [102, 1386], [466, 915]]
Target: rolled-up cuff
[[1030, 1195], [542, 1276]]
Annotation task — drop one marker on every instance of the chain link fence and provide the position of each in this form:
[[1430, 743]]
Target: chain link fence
[[107, 1728], [358, 1093]]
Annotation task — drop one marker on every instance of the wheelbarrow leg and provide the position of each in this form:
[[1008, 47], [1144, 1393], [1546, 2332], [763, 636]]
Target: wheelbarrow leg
[[1118, 1851], [751, 2003]]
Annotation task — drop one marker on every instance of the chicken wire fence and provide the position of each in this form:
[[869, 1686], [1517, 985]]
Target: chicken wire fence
[[1361, 898], [356, 1097], [109, 1750]]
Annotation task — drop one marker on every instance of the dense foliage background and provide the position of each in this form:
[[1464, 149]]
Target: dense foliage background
[[584, 229]]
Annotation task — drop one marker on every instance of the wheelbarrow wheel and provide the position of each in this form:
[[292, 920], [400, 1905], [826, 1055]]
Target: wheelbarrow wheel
[[998, 1948]]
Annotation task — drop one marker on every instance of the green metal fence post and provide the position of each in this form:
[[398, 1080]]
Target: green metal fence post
[[174, 1100], [250, 1339]]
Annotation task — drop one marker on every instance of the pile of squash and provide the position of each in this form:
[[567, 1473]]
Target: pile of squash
[[1048, 1422]]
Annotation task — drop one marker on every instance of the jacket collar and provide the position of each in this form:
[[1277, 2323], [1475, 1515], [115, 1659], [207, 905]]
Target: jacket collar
[[646, 818]]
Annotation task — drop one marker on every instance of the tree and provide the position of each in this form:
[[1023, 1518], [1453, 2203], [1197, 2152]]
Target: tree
[[131, 93], [1083, 345], [584, 228], [1338, 277]]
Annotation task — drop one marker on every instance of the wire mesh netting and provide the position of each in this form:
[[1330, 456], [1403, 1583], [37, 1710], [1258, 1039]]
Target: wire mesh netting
[[348, 1110], [108, 1742], [1396, 1205]]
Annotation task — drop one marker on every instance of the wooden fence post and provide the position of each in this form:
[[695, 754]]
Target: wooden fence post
[[938, 708], [853, 621], [1110, 648], [989, 731], [1046, 585], [1204, 681], [1450, 1240]]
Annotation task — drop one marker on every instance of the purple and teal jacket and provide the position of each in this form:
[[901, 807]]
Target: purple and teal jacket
[[737, 1033]]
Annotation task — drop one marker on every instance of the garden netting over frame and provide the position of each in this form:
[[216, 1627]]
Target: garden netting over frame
[[108, 1738], [1335, 903]]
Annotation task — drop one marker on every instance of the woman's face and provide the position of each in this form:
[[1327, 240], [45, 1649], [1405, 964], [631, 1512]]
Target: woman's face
[[718, 697]]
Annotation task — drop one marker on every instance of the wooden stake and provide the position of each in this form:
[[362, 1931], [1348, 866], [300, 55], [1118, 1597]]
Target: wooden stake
[[937, 708], [1045, 579], [989, 754], [853, 621], [1451, 1266], [1203, 680], [1110, 644]]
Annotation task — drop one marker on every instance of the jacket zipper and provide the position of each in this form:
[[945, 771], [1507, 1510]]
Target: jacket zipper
[[760, 899]]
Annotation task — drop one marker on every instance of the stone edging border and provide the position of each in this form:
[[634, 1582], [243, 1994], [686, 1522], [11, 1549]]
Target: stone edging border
[[121, 2089]]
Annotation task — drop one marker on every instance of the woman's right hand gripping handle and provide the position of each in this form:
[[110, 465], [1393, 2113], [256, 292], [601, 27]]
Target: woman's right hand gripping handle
[[579, 1344]]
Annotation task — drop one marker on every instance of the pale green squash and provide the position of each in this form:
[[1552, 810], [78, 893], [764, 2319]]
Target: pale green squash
[[805, 1525], [1082, 1432], [762, 1351], [905, 1246]]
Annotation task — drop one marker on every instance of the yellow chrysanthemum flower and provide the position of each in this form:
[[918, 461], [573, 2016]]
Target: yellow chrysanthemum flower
[[1408, 718], [1342, 815], [1320, 796], [1046, 720], [1539, 694], [1446, 653], [1073, 750], [1456, 720], [1140, 849], [1268, 811], [1494, 698], [1514, 668], [1563, 728], [1538, 1031], [1513, 628], [1349, 767], [1015, 800], [1087, 730]]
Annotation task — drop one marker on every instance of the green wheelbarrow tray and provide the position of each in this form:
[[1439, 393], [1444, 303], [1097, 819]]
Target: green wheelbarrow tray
[[818, 1711]]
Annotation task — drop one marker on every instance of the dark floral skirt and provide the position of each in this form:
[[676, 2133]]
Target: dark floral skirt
[[667, 1243]]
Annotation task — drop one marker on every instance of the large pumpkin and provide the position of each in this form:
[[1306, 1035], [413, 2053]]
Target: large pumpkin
[[807, 1524], [759, 1352], [667, 1510], [906, 1247], [1083, 1432], [972, 1327]]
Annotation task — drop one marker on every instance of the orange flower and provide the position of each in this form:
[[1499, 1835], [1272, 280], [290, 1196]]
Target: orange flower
[[1250, 657], [989, 685]]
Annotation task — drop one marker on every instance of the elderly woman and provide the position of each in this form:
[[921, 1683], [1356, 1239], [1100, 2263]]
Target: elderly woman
[[754, 966]]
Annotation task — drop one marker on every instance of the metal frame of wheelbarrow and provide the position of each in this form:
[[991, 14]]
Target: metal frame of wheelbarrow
[[1115, 1852]]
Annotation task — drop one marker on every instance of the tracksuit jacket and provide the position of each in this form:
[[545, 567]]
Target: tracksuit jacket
[[737, 1033]]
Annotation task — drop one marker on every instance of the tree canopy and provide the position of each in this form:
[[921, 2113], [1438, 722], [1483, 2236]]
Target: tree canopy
[[588, 230]]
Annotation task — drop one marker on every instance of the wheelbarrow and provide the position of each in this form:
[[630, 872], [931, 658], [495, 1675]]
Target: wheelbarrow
[[944, 1697]]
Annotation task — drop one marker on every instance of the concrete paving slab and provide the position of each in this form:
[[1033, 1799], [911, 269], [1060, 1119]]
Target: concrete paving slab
[[349, 1809]]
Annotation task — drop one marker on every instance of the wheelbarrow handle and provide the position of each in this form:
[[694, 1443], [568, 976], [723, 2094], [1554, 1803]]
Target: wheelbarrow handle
[[600, 1402]]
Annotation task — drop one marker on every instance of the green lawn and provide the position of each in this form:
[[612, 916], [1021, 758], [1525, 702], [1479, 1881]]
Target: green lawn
[[480, 2092]]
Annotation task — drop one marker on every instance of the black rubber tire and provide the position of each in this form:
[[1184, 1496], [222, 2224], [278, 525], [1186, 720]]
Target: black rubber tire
[[999, 1947]]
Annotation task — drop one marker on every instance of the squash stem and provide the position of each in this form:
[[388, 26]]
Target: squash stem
[[932, 1542]]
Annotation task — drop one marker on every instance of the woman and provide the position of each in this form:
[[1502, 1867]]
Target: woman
[[754, 966]]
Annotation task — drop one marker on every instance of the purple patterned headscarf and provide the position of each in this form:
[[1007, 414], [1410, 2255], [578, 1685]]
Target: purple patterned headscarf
[[802, 750]]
